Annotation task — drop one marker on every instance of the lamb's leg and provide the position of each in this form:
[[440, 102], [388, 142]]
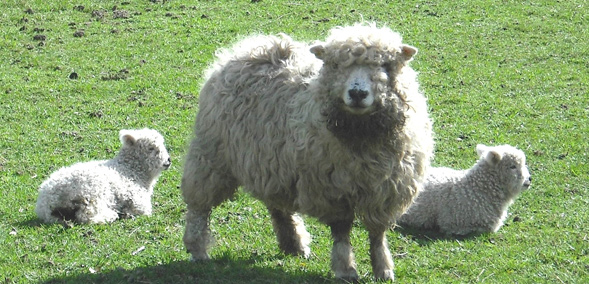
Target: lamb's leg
[[343, 263], [202, 188], [380, 256], [290, 231]]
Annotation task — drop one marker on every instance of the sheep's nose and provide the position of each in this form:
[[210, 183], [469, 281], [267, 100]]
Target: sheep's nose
[[357, 95], [168, 163], [528, 182]]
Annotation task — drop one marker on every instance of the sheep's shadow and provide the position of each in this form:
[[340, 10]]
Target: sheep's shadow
[[221, 270], [28, 223], [424, 237]]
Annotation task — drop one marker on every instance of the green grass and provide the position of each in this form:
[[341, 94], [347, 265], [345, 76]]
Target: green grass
[[494, 72]]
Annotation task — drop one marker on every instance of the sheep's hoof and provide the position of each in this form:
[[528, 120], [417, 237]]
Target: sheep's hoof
[[303, 252], [387, 275], [306, 252], [349, 279], [200, 257], [350, 276]]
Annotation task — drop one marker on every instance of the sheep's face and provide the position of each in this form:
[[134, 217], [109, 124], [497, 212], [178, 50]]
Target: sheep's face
[[510, 164], [357, 94], [147, 147], [363, 96]]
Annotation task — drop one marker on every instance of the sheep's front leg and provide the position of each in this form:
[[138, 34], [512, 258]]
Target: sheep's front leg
[[343, 263], [380, 256]]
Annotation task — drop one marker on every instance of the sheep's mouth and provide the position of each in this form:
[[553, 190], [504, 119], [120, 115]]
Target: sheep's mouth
[[358, 109], [167, 164], [526, 185], [374, 124]]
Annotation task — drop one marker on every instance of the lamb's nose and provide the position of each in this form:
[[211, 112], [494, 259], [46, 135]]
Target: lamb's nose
[[357, 95], [168, 163]]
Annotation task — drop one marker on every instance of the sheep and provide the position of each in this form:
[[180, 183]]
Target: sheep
[[103, 191], [461, 202], [334, 130]]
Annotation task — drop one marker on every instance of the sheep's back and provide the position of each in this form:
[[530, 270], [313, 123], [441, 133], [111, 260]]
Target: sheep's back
[[88, 179], [243, 121]]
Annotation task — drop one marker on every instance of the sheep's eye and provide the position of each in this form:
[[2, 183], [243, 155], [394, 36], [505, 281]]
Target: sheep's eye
[[513, 167], [151, 149]]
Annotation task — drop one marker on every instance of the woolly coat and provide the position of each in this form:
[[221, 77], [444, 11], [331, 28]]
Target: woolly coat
[[470, 201], [264, 123], [100, 191]]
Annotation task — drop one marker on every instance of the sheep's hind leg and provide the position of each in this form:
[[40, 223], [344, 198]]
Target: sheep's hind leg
[[343, 263], [290, 231], [380, 255], [197, 236], [202, 188]]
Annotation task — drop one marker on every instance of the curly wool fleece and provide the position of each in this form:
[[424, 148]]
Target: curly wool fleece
[[336, 130], [471, 201], [101, 191]]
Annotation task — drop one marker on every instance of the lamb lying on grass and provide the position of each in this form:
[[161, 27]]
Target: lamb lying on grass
[[101, 191], [471, 201]]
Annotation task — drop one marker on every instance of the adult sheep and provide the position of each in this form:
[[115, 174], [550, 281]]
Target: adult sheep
[[333, 130], [101, 191]]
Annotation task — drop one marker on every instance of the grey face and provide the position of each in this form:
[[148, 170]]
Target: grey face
[[358, 96]]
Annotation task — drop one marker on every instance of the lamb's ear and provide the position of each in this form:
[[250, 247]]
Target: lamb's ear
[[493, 157], [127, 138], [407, 52], [318, 49], [481, 149]]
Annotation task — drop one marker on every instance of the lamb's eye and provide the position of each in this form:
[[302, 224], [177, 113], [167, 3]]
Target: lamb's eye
[[513, 167]]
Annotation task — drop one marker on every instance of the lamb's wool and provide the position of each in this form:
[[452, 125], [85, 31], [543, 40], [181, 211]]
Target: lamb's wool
[[101, 191], [474, 200], [334, 130]]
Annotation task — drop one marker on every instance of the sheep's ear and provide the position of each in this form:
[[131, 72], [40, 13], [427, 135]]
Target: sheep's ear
[[493, 157], [127, 138], [408, 51], [319, 50]]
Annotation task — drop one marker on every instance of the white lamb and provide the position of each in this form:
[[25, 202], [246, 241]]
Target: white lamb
[[101, 191], [461, 202]]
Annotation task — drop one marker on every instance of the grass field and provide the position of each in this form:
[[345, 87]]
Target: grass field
[[73, 73]]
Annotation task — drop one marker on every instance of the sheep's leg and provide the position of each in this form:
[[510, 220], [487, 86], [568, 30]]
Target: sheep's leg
[[202, 189], [380, 256], [343, 263], [290, 231], [197, 236]]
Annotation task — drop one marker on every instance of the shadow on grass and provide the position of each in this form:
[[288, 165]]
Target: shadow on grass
[[223, 270], [29, 223], [424, 237]]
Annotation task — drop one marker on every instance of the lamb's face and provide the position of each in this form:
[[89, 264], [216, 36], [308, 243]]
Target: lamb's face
[[514, 169], [156, 154], [511, 165], [147, 147]]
